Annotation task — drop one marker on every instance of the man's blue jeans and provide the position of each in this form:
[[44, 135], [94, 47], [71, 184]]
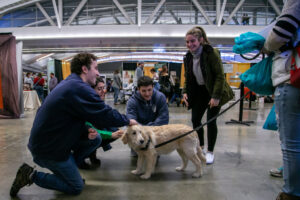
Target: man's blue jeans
[[116, 94], [287, 105], [66, 177]]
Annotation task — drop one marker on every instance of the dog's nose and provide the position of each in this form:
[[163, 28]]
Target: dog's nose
[[141, 141]]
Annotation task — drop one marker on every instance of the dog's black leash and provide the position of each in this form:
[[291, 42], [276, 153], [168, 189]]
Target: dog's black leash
[[197, 128]]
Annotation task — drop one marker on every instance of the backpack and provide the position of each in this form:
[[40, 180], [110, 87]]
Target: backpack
[[295, 68]]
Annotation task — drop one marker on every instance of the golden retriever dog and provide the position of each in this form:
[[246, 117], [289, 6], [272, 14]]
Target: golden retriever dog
[[142, 139]]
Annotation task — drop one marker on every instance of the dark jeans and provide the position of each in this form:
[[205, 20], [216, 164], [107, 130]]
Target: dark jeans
[[66, 177], [40, 91], [200, 105]]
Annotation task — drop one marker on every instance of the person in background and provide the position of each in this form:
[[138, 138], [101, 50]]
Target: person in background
[[108, 85], [129, 89], [108, 135], [177, 92], [117, 85], [165, 83], [283, 37], [59, 140], [53, 81], [155, 78], [147, 106], [205, 85], [28, 80], [139, 72], [38, 86]]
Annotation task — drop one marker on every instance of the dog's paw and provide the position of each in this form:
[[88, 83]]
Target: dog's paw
[[179, 169], [145, 176], [197, 175], [136, 172]]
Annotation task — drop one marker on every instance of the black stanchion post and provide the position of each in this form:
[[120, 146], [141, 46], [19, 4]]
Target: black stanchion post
[[240, 121], [250, 107], [251, 95]]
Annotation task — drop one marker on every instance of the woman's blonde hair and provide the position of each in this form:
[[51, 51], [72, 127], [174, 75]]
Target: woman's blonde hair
[[198, 32]]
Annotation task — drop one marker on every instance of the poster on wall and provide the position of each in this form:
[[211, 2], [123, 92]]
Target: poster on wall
[[228, 68]]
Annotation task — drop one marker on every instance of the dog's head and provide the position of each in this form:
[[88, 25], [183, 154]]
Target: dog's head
[[136, 137]]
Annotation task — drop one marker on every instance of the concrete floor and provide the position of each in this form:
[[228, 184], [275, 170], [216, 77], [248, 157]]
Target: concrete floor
[[243, 156]]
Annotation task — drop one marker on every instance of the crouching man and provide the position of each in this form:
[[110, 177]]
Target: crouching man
[[56, 141]]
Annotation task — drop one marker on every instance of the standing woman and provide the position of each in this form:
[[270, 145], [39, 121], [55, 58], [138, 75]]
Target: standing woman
[[39, 82], [164, 82], [117, 86], [205, 85], [28, 80]]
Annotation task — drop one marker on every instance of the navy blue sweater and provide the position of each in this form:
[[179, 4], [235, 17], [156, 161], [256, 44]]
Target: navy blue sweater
[[60, 121], [151, 113]]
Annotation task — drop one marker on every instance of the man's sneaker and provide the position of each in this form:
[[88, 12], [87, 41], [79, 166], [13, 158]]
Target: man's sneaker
[[23, 178], [210, 158], [84, 165], [276, 172], [94, 160]]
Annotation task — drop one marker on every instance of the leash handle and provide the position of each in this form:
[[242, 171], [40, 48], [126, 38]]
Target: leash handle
[[202, 125]]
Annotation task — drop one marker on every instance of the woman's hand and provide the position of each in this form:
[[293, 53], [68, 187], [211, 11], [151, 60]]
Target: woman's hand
[[117, 134], [185, 99], [214, 102], [92, 134]]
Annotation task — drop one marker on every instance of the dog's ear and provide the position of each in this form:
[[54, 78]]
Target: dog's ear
[[150, 135], [125, 138]]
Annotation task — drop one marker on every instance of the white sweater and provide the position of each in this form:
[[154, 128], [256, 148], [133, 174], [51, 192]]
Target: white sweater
[[283, 32]]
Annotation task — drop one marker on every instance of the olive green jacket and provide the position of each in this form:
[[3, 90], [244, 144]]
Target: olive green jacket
[[213, 74]]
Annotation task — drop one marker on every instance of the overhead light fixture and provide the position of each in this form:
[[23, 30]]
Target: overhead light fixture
[[43, 57], [144, 56]]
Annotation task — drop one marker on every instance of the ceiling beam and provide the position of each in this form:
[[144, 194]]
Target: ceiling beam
[[234, 11], [45, 14], [38, 22], [198, 6], [56, 14], [123, 11], [159, 15], [275, 7], [218, 8], [60, 11], [76, 12], [45, 33], [117, 20], [222, 13], [139, 10], [96, 20], [175, 17], [17, 6], [150, 18]]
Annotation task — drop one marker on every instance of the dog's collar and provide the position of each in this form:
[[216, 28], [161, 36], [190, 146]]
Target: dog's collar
[[147, 145]]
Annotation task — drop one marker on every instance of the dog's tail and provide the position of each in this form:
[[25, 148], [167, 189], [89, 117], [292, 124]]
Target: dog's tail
[[201, 155]]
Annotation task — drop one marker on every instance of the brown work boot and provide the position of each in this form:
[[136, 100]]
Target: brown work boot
[[22, 179], [285, 196]]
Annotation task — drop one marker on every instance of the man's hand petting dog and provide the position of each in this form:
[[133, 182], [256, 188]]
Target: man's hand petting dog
[[133, 122]]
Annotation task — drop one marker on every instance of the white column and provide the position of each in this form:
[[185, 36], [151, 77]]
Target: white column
[[19, 47]]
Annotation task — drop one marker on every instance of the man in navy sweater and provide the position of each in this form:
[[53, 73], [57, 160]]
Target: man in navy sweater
[[147, 106], [59, 139]]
